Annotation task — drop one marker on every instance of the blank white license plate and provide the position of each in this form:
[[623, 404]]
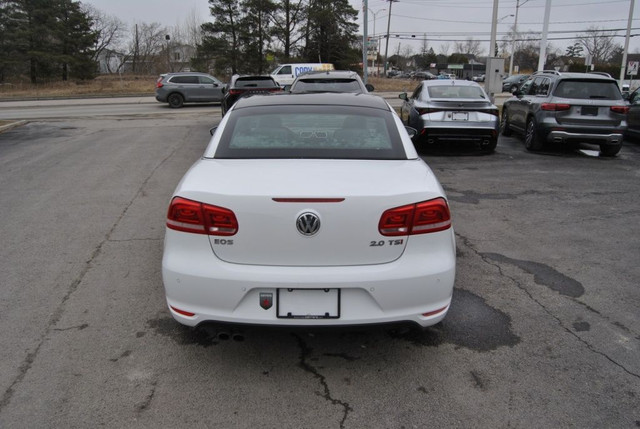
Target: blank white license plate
[[460, 116], [308, 303]]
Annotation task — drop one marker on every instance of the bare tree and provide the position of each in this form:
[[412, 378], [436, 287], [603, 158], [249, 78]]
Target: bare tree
[[444, 49], [424, 49], [111, 32], [148, 41], [188, 31], [469, 47], [598, 43]]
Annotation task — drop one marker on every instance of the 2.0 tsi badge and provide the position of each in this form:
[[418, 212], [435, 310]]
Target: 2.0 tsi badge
[[308, 223]]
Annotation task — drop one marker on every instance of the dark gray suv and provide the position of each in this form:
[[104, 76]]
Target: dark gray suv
[[188, 87], [554, 108]]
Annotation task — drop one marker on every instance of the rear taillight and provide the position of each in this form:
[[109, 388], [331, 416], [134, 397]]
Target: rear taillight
[[159, 82], [275, 89], [420, 218], [620, 109], [493, 112], [235, 91], [556, 107], [198, 218], [427, 111]]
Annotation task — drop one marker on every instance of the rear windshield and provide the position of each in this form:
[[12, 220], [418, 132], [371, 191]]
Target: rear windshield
[[588, 90], [451, 91], [255, 82], [331, 132], [326, 85]]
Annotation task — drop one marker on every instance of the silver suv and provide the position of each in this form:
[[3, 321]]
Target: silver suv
[[188, 87], [554, 108]]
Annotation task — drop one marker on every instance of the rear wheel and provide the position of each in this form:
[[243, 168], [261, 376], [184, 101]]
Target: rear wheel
[[610, 150], [175, 100], [504, 124], [532, 140]]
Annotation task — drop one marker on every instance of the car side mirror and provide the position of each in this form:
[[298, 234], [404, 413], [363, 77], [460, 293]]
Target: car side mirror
[[286, 88], [403, 96], [224, 89], [212, 130], [369, 87], [411, 131], [625, 96]]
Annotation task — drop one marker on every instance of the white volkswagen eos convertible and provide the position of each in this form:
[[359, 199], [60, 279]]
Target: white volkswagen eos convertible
[[309, 210]]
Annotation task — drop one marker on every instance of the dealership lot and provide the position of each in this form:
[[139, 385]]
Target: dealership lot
[[543, 329]]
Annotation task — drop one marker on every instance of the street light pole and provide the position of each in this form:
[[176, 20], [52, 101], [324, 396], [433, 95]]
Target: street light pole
[[623, 69], [513, 36], [375, 14]]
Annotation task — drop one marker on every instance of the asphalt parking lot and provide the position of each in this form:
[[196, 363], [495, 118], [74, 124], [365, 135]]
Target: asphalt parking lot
[[543, 330]]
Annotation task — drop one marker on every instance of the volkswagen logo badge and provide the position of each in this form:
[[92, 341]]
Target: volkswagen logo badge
[[308, 224]]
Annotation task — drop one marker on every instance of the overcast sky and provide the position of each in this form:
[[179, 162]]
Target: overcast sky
[[440, 20]]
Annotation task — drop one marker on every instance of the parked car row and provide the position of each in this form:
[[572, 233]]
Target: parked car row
[[547, 108], [192, 87]]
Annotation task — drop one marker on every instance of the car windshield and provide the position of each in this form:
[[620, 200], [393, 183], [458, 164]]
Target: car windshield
[[303, 131], [588, 90], [452, 91], [326, 85]]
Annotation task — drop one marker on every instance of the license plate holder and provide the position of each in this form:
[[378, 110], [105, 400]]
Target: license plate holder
[[308, 303], [589, 111], [460, 116]]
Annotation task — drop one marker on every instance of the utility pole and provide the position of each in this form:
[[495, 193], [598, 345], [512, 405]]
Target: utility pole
[[545, 30], [513, 38], [623, 69], [386, 49], [494, 26], [365, 40]]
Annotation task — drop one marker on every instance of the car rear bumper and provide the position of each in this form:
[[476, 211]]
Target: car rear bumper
[[414, 288], [460, 132], [556, 136]]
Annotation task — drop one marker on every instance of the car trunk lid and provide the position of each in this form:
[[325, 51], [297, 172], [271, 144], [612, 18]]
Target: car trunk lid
[[276, 201]]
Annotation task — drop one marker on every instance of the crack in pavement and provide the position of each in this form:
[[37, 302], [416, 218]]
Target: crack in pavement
[[305, 351], [147, 401], [27, 363], [486, 259]]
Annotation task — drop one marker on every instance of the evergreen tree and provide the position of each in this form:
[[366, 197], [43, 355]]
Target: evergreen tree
[[221, 38], [286, 20], [256, 33], [45, 39], [331, 33], [76, 41]]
